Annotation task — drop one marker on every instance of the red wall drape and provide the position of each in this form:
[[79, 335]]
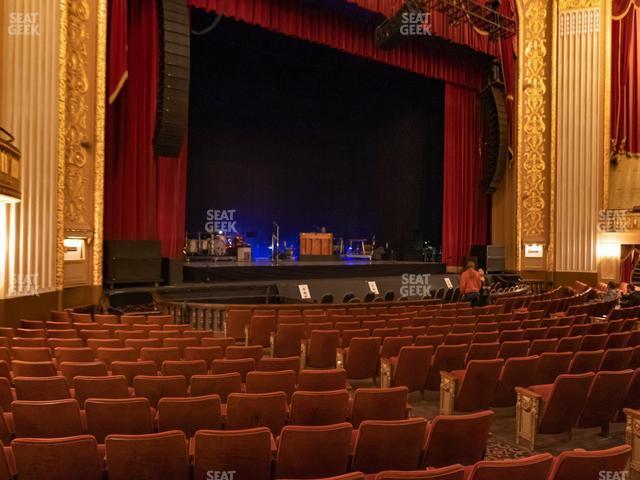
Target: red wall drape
[[630, 256], [312, 23], [465, 216], [145, 196], [117, 72], [625, 77]]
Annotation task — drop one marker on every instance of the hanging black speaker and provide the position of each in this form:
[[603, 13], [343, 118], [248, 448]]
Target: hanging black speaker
[[172, 109], [495, 126]]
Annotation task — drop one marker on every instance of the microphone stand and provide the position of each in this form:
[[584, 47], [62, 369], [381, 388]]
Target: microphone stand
[[275, 243]]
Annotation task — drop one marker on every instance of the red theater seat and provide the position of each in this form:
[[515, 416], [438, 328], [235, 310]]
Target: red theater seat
[[411, 368], [322, 380], [68, 458], [319, 408], [574, 465], [379, 404], [190, 414], [114, 386], [250, 410], [248, 453], [313, 452], [47, 419], [452, 472], [41, 388], [153, 388], [388, 445], [531, 468], [154, 455], [221, 384], [129, 416], [457, 439]]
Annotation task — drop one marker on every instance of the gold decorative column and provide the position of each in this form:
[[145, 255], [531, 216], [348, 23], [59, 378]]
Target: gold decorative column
[[81, 142], [534, 190]]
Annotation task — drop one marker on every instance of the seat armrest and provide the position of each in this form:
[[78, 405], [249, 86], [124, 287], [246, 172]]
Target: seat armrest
[[448, 389], [527, 412], [385, 373]]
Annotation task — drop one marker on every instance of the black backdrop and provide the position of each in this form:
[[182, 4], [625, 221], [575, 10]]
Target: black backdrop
[[288, 131]]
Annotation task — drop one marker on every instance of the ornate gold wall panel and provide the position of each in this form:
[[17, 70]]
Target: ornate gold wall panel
[[82, 85], [532, 185]]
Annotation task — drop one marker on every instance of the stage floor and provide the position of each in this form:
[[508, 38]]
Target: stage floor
[[260, 270]]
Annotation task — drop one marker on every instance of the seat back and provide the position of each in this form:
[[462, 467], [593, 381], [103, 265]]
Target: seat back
[[266, 382], [186, 368], [411, 369], [189, 414], [274, 364], [132, 369], [69, 458], [321, 350], [154, 455], [550, 365], [241, 365], [208, 354], [616, 359], [478, 385], [153, 388], [159, 354], [123, 354], [65, 354], [362, 358], [47, 419], [571, 465], [483, 351], [569, 344], [391, 345], [584, 362], [535, 467], [245, 452], [128, 416], [238, 351], [389, 445], [319, 408], [41, 388], [606, 397], [31, 354], [33, 369], [260, 329], [113, 386], [249, 410], [446, 358], [452, 472], [457, 439], [516, 372], [288, 338], [221, 384], [593, 342], [322, 380], [568, 396], [313, 452], [379, 404]]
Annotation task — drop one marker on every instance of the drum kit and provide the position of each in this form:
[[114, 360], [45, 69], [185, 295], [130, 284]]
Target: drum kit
[[216, 244]]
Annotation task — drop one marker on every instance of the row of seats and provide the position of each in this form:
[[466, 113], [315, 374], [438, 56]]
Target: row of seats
[[155, 386], [584, 400], [376, 449]]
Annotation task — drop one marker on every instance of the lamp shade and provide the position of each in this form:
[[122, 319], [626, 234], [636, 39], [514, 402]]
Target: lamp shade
[[9, 169]]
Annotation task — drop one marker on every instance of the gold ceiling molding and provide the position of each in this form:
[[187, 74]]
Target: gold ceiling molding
[[578, 4]]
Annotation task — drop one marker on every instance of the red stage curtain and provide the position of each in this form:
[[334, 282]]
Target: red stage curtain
[[465, 215], [117, 66], [320, 25], [144, 195], [628, 262], [625, 77]]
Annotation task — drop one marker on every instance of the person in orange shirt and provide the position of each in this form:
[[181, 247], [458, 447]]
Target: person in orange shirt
[[470, 284]]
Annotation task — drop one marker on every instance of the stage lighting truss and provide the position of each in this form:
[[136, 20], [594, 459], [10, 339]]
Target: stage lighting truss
[[484, 17]]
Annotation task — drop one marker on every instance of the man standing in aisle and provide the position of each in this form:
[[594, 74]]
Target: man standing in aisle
[[470, 284]]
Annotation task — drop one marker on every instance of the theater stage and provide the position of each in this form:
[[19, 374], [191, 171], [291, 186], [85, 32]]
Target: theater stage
[[265, 270]]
